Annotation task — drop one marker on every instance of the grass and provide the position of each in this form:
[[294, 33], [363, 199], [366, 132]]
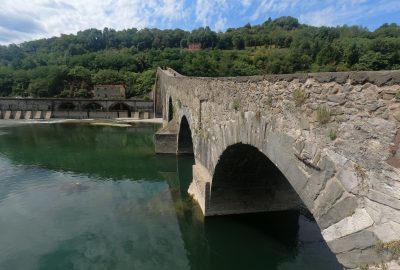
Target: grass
[[258, 116], [269, 100], [333, 134], [323, 114], [397, 96], [392, 247], [360, 171], [236, 105], [299, 97]]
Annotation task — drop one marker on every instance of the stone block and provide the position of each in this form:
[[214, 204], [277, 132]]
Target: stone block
[[7, 115], [17, 115], [48, 115], [357, 222], [360, 240], [37, 115], [345, 207], [357, 258], [388, 232], [328, 197], [28, 115], [135, 115], [381, 213], [385, 199]]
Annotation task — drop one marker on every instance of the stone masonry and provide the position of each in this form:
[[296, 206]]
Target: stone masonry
[[334, 136]]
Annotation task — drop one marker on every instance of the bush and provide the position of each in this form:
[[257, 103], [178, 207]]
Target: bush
[[299, 96], [397, 96], [323, 114], [332, 134]]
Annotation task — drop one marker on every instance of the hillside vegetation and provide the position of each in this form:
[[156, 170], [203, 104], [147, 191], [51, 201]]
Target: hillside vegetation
[[69, 65]]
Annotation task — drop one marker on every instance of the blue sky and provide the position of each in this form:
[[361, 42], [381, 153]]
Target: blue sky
[[22, 20]]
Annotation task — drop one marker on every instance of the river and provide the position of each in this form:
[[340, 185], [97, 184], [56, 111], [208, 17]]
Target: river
[[75, 196]]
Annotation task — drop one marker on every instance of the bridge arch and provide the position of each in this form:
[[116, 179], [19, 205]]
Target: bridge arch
[[119, 106], [170, 109], [93, 106], [185, 141], [66, 106]]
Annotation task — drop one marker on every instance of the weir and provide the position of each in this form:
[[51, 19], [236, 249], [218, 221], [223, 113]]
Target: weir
[[45, 108], [326, 141]]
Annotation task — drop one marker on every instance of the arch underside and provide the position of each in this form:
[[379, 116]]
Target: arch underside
[[119, 106], [170, 110], [185, 141], [66, 106], [93, 107], [246, 181]]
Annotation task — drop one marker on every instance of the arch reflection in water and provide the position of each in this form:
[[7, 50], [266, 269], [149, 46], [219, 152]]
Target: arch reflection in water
[[284, 240]]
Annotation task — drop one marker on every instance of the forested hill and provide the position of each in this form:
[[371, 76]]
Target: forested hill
[[68, 66]]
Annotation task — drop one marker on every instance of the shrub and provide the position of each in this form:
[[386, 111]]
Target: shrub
[[332, 134], [236, 105], [299, 97], [258, 116], [269, 100], [392, 247], [323, 114]]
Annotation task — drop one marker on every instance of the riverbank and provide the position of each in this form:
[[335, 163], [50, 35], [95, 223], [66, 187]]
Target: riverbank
[[118, 122]]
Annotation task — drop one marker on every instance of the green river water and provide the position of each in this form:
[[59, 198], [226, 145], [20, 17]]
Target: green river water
[[75, 196]]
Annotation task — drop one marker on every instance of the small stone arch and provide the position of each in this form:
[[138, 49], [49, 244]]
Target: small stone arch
[[170, 109], [93, 106], [185, 141], [66, 106], [119, 106]]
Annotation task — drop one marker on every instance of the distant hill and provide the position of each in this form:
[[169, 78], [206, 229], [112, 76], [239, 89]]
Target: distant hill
[[70, 65]]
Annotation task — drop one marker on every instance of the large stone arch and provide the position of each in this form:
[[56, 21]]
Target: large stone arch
[[246, 181], [314, 182]]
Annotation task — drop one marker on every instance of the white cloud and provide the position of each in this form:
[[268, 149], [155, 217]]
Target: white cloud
[[266, 6], [22, 20], [220, 24], [55, 16], [207, 10], [246, 3], [348, 12]]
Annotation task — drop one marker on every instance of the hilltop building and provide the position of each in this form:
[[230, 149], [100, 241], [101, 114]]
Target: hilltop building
[[193, 47]]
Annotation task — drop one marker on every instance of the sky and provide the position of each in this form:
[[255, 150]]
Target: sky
[[24, 20]]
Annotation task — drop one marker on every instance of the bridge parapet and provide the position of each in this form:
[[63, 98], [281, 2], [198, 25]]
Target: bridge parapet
[[334, 136]]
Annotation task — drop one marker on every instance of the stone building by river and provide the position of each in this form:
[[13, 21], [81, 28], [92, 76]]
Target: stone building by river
[[109, 91]]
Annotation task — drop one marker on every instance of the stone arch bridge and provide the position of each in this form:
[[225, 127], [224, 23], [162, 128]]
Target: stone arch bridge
[[328, 142]]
